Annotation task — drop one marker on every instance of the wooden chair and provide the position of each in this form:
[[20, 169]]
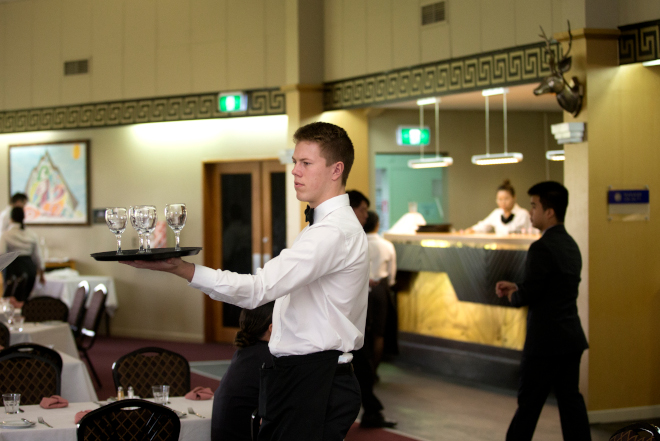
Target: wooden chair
[[146, 367], [41, 309], [640, 431], [89, 329], [130, 420], [77, 310], [30, 375]]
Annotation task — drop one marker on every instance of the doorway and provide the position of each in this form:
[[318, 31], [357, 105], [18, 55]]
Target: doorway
[[244, 227]]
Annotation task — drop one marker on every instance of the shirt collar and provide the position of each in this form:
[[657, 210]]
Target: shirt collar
[[327, 207]]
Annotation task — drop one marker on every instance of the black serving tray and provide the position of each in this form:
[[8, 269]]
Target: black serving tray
[[154, 254]]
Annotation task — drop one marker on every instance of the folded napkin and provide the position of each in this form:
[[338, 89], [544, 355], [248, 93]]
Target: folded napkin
[[199, 393], [54, 402], [79, 415]]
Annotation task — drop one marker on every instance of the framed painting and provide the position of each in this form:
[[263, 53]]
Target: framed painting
[[55, 178]]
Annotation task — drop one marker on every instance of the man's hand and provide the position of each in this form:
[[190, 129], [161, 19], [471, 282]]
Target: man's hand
[[373, 283], [174, 266], [503, 288]]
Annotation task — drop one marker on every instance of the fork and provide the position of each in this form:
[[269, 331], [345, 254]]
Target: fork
[[41, 421], [191, 411]]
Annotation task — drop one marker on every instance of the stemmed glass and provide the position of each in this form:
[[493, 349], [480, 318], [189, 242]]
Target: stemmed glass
[[131, 215], [116, 219], [175, 215], [146, 218]]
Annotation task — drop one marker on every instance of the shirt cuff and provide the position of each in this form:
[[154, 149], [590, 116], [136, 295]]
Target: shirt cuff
[[204, 278]]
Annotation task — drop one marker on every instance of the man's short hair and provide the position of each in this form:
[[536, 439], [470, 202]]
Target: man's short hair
[[552, 195], [372, 222], [355, 198], [333, 141], [19, 197]]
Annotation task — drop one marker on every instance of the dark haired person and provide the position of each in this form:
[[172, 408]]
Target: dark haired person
[[555, 339], [360, 205], [28, 263], [17, 200], [319, 285], [238, 394], [507, 218]]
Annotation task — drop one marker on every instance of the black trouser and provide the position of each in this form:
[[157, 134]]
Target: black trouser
[[540, 375], [308, 398], [365, 376], [23, 270]]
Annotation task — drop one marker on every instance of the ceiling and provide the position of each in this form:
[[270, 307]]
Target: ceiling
[[519, 98]]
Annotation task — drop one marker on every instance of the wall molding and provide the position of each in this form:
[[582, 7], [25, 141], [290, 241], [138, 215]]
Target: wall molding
[[639, 42], [624, 414], [157, 109], [502, 68]]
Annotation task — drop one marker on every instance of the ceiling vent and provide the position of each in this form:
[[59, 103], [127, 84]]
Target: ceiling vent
[[433, 13], [76, 67]]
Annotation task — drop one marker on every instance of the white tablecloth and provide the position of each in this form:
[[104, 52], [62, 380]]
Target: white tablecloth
[[192, 428], [77, 386], [57, 334], [64, 283]]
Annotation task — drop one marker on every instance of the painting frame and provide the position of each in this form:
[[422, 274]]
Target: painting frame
[[56, 178]]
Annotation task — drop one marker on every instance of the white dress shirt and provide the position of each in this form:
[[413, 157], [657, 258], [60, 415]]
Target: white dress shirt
[[23, 241], [5, 219], [382, 258], [320, 285], [520, 222]]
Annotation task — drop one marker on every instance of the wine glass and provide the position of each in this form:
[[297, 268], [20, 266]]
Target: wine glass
[[175, 215], [116, 219], [131, 215], [145, 218]]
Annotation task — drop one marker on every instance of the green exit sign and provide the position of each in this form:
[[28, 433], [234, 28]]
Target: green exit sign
[[232, 102], [413, 136]]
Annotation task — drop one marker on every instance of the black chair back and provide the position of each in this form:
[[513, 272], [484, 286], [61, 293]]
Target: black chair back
[[77, 310], [32, 376], [130, 420], [146, 367], [35, 349], [640, 431], [90, 325], [41, 309], [4, 335]]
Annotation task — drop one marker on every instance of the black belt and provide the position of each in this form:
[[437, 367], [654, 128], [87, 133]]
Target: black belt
[[344, 369]]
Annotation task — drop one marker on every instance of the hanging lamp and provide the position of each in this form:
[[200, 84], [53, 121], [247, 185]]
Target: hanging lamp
[[496, 158], [438, 161]]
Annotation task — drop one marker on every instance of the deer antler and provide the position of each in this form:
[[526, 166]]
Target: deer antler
[[570, 39], [548, 49]]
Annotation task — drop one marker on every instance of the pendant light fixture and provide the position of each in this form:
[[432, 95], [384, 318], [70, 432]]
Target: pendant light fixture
[[496, 158], [438, 161]]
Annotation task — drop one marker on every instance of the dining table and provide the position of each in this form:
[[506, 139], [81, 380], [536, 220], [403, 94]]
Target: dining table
[[193, 428], [76, 384], [54, 334], [62, 284]]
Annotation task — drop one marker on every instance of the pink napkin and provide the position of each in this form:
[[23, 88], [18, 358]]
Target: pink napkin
[[79, 415], [199, 393], [54, 402]]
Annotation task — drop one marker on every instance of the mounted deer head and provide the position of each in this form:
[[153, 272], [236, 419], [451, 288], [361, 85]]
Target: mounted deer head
[[569, 96]]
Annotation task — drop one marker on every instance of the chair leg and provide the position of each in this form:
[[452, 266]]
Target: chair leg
[[91, 366], [107, 323]]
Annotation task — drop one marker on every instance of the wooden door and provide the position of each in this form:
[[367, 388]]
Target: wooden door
[[244, 227]]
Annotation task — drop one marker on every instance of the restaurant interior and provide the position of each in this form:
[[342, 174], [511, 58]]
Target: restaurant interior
[[138, 86]]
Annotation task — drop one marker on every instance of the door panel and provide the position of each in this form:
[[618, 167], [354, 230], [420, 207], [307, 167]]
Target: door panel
[[241, 199]]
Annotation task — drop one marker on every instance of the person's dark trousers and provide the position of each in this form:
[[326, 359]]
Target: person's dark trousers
[[308, 398], [365, 377], [540, 375]]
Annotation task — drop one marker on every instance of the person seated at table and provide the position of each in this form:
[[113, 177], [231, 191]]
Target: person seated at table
[[238, 394], [28, 265], [507, 218]]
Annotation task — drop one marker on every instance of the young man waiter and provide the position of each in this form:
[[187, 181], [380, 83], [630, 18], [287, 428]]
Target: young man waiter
[[320, 288]]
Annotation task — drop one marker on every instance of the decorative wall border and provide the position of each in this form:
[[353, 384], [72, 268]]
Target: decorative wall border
[[502, 68], [175, 108], [639, 42]]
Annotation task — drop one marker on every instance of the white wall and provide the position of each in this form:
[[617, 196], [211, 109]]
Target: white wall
[[156, 164]]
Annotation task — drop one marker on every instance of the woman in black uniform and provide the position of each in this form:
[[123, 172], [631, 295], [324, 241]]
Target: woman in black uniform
[[238, 394]]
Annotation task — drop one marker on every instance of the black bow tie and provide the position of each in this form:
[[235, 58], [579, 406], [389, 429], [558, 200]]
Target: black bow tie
[[309, 215], [506, 220]]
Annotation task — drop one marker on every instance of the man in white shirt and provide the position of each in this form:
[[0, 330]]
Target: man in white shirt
[[17, 200], [320, 290]]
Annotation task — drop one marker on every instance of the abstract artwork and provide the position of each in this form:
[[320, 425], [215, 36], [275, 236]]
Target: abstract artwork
[[55, 178]]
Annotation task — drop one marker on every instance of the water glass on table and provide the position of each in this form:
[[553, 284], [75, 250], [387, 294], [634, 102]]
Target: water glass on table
[[161, 393], [11, 402]]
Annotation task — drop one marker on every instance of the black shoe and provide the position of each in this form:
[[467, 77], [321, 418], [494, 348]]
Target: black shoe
[[376, 420]]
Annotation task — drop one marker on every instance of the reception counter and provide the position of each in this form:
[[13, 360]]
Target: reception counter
[[447, 305]]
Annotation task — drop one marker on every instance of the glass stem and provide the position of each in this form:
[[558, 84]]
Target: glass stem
[[118, 243], [176, 238], [141, 238], [148, 242]]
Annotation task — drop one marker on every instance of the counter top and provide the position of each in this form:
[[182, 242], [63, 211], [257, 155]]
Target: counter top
[[450, 240]]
